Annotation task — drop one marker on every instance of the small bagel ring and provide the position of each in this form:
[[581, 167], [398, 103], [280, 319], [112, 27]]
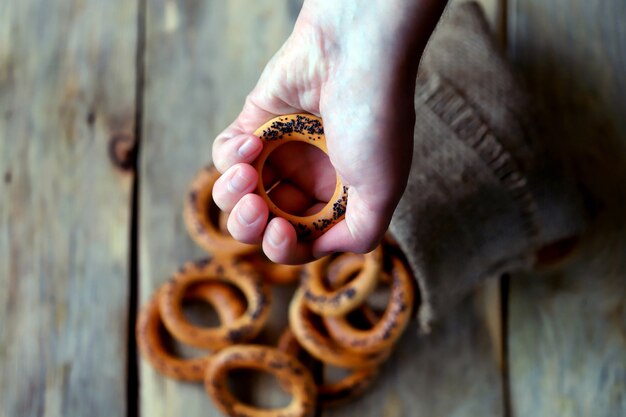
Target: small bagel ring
[[332, 394], [201, 228], [308, 129], [323, 347], [234, 271], [147, 332], [390, 327], [338, 302], [292, 375]]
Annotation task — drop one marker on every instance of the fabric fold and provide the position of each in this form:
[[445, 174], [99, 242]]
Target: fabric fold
[[480, 200]]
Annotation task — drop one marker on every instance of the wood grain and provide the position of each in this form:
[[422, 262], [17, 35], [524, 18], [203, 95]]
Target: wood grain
[[67, 88], [202, 58], [567, 329], [67, 93]]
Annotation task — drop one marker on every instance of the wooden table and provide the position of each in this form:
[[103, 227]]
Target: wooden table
[[107, 108]]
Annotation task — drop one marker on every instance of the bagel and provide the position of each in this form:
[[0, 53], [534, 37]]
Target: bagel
[[308, 129], [291, 374], [347, 297], [386, 331], [228, 306], [231, 270]]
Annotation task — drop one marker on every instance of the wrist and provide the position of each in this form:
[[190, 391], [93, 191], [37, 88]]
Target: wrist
[[394, 31]]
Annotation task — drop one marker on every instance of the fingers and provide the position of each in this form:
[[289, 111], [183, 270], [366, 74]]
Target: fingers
[[249, 213], [234, 150], [281, 245], [237, 144], [236, 182], [360, 231], [248, 219], [248, 224]]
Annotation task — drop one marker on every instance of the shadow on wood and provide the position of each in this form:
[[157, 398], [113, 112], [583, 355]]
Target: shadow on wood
[[567, 328]]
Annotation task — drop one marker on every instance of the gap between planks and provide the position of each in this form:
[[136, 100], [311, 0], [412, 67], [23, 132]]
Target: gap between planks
[[132, 380]]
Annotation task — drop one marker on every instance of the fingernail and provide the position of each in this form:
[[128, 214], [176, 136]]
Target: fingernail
[[238, 183], [248, 214], [274, 236], [248, 148]]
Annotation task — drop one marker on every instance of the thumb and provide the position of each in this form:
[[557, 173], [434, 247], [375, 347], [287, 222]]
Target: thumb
[[263, 103], [361, 230], [227, 145]]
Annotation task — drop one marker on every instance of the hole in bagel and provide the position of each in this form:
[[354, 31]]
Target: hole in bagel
[[257, 388], [335, 276], [331, 282], [360, 321], [333, 374], [176, 348], [222, 222], [202, 313], [299, 178], [380, 298], [215, 217]]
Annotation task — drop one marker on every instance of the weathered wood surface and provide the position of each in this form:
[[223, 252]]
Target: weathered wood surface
[[67, 87], [567, 330]]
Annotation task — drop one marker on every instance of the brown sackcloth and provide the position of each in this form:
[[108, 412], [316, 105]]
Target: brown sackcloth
[[480, 200]]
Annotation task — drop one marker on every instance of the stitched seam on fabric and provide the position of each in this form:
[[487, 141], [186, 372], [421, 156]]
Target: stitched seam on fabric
[[451, 107]]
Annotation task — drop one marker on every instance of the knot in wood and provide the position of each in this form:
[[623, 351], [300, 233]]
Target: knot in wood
[[123, 151]]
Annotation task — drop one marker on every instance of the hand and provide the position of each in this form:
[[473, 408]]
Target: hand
[[356, 68]]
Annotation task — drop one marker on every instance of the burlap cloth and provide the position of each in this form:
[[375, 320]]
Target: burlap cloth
[[480, 200]]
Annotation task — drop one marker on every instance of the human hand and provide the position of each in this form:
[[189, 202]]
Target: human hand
[[356, 68]]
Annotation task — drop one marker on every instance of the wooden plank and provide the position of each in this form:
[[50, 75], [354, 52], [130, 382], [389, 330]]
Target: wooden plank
[[567, 329], [202, 58], [67, 88]]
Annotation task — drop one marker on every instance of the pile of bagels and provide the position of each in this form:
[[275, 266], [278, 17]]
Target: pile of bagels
[[331, 321]]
